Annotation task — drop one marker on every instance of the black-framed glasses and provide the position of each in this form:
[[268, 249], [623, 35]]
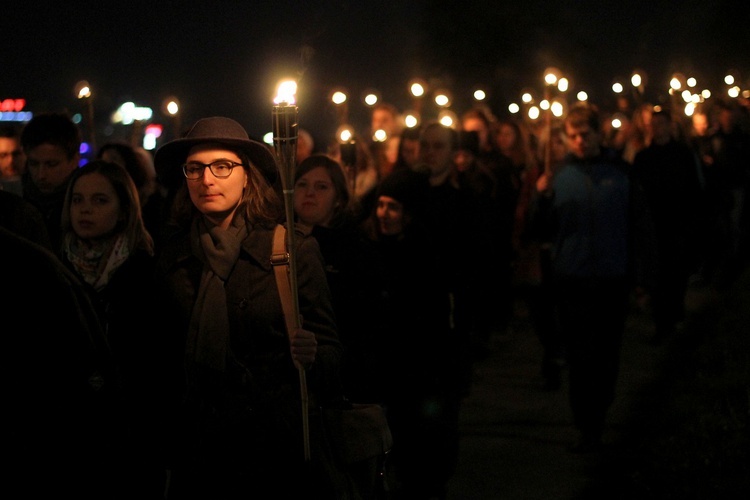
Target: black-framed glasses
[[222, 169]]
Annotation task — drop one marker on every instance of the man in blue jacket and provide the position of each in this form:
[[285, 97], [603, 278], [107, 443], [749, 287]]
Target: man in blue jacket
[[590, 215]]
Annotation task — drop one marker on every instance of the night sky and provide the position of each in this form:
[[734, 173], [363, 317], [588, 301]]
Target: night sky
[[226, 57]]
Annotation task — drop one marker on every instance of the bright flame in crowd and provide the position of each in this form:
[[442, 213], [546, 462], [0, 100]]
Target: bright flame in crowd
[[85, 91], [557, 108], [417, 89], [286, 92], [345, 134], [411, 120], [338, 97]]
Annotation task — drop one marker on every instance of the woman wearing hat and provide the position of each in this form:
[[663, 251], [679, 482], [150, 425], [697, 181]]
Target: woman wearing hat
[[239, 406]]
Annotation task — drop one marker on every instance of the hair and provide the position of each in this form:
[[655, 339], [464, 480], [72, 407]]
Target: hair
[[468, 140], [52, 128], [407, 134], [338, 178], [583, 114], [391, 110], [482, 113], [522, 151], [132, 226], [386, 106], [135, 162], [452, 134], [410, 188], [260, 201], [131, 161], [10, 131], [305, 142]]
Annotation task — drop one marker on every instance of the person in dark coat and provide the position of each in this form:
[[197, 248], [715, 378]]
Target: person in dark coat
[[422, 358], [322, 205], [24, 219], [667, 171], [106, 245], [61, 432], [238, 420], [593, 213], [51, 142]]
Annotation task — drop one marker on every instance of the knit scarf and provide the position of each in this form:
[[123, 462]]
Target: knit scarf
[[218, 249], [97, 261]]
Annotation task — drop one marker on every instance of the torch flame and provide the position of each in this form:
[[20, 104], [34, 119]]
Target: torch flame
[[286, 92]]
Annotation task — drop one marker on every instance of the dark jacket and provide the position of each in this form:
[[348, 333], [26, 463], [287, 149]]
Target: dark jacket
[[599, 222], [126, 308], [59, 387], [24, 219], [245, 425], [49, 204]]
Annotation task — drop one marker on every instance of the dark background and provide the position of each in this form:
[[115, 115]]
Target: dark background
[[226, 57]]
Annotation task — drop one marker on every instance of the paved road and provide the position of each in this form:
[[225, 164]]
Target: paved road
[[515, 435]]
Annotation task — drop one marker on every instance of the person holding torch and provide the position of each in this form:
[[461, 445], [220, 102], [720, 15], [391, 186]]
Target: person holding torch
[[237, 426]]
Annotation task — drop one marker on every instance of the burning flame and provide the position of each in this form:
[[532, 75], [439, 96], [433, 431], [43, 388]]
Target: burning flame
[[286, 92]]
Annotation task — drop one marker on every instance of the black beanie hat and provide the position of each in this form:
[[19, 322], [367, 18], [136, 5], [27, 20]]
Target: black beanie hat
[[469, 140], [406, 186]]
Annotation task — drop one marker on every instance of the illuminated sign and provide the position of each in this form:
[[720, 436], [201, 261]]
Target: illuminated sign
[[11, 110], [128, 113], [153, 132]]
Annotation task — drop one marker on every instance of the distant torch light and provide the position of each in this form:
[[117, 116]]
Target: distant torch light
[[557, 109]]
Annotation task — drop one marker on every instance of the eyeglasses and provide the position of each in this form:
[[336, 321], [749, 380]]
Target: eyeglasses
[[220, 168]]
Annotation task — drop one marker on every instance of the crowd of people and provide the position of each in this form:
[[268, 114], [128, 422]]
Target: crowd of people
[[147, 303]]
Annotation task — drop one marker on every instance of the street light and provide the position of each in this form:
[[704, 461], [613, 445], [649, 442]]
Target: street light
[[171, 107], [83, 91]]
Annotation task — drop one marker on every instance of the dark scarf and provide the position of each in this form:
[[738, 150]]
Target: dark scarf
[[218, 249]]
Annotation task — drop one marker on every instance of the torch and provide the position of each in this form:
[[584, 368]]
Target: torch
[[348, 149], [285, 144]]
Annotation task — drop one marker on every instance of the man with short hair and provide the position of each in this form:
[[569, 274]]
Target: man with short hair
[[51, 142], [592, 215]]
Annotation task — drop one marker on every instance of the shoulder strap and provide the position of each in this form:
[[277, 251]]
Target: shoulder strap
[[280, 263]]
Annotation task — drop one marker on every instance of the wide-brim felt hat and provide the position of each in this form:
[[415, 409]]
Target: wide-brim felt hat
[[219, 130]]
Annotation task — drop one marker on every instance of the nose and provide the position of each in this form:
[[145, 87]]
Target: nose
[[208, 177]]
